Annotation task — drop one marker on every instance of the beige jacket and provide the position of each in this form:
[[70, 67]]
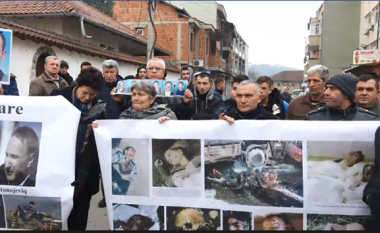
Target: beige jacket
[[43, 85]]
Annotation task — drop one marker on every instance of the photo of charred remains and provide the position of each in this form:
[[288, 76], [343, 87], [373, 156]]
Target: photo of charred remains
[[192, 219], [237, 221], [278, 222], [321, 222], [138, 217], [254, 173]]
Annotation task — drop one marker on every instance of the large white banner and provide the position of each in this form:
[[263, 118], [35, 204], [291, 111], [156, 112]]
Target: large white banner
[[37, 147], [253, 175]]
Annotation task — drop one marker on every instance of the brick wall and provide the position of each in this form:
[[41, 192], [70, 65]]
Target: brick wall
[[167, 33]]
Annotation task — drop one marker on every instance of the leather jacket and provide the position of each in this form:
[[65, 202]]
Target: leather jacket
[[351, 114]]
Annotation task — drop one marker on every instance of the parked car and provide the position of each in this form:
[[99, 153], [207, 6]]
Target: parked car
[[296, 93]]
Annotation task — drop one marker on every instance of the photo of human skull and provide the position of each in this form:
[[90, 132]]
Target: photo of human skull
[[254, 173]]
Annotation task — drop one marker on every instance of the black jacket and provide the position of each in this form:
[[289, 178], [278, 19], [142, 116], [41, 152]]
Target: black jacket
[[352, 114], [372, 190], [67, 77], [275, 98], [87, 162], [258, 114], [201, 107]]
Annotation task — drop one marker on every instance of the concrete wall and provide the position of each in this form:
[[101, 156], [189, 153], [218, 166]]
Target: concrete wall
[[340, 34]]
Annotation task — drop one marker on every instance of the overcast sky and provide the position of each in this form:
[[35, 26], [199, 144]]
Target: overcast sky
[[274, 31]]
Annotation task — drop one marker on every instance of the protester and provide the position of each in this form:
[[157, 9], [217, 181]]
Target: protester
[[85, 65], [220, 84], [144, 104], [314, 99], [248, 99], [272, 101], [231, 102], [285, 96], [10, 89], [340, 102], [186, 75], [87, 169], [367, 92], [49, 80], [201, 105], [141, 73], [63, 72]]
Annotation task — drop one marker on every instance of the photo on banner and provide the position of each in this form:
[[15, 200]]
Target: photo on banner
[[181, 87], [33, 213], [129, 85], [237, 221], [278, 221], [176, 166], [340, 168], [130, 169], [138, 217], [192, 219], [168, 88], [121, 87], [19, 152], [158, 85], [6, 40], [326, 222], [254, 173]]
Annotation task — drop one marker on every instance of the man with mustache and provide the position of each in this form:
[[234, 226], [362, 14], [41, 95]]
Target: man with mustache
[[367, 92], [300, 106], [340, 102], [21, 156]]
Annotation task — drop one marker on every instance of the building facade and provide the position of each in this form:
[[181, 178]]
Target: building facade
[[290, 79], [74, 32], [369, 17]]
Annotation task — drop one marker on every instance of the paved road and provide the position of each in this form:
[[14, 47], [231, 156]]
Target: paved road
[[98, 217]]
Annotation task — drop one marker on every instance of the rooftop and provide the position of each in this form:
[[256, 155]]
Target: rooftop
[[290, 76]]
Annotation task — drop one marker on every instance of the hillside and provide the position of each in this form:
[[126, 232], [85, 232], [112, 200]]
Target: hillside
[[256, 70]]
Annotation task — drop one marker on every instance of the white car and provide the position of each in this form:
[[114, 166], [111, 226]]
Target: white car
[[296, 93]]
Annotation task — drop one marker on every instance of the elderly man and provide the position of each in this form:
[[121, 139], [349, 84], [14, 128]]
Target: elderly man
[[156, 69], [49, 80], [301, 106], [340, 102], [248, 99]]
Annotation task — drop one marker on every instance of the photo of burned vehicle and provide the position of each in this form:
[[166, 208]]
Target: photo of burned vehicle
[[254, 173]]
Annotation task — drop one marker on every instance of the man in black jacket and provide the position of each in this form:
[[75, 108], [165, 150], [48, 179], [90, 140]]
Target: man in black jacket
[[272, 101], [248, 104], [340, 102], [203, 104]]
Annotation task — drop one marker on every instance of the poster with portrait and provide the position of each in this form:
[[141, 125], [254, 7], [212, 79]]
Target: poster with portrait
[[164, 88], [283, 175], [6, 38], [37, 162]]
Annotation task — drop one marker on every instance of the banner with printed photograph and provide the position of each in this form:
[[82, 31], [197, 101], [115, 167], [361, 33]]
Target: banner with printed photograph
[[37, 147], [253, 175], [164, 88]]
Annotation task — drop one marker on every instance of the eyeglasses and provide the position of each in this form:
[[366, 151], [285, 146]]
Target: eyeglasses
[[155, 68]]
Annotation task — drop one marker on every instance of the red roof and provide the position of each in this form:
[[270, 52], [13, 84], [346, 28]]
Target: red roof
[[62, 7], [26, 32]]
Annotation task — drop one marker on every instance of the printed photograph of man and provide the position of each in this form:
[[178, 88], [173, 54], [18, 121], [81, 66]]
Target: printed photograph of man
[[121, 88], [5, 55], [158, 86], [168, 88], [33, 213], [181, 88], [129, 85], [130, 167], [19, 146]]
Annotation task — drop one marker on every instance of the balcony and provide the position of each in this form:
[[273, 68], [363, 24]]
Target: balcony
[[216, 63], [315, 40], [226, 45]]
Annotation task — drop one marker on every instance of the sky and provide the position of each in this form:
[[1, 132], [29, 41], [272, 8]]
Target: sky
[[274, 31]]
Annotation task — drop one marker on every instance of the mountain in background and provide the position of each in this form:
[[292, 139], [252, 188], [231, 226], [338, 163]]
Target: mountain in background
[[256, 70]]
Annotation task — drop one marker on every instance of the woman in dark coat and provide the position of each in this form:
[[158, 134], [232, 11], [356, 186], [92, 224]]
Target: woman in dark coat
[[87, 169]]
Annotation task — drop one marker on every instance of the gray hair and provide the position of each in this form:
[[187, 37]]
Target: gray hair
[[156, 59], [323, 71], [145, 86], [247, 82], [109, 64], [51, 57]]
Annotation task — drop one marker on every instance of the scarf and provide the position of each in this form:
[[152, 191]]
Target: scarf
[[155, 112], [89, 114]]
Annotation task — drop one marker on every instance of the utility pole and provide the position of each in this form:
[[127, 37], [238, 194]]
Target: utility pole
[[150, 50]]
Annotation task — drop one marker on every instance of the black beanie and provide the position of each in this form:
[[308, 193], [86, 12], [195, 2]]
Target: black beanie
[[346, 83], [64, 64]]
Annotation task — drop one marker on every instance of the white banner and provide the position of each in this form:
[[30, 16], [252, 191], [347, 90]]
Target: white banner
[[37, 147], [253, 175]]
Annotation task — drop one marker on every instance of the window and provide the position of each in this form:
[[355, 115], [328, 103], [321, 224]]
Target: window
[[375, 12], [317, 29], [278, 84], [140, 31], [368, 21], [293, 84], [191, 42], [314, 29]]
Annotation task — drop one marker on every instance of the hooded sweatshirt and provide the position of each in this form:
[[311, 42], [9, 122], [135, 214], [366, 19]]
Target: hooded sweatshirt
[[190, 83]]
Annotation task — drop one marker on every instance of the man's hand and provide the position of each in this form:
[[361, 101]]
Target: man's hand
[[187, 97], [163, 119], [230, 120], [116, 97], [1, 90]]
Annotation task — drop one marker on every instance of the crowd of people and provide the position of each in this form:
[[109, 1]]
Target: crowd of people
[[343, 97]]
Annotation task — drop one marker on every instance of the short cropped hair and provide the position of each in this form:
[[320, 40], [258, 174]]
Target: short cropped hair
[[265, 79], [91, 78], [239, 78]]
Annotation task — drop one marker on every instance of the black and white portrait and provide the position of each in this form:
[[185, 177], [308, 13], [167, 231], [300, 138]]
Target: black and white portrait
[[19, 150]]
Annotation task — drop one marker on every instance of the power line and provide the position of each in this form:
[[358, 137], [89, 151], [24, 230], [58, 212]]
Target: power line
[[138, 24], [158, 11]]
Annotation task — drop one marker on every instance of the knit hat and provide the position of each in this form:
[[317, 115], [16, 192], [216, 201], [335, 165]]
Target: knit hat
[[346, 83], [64, 64]]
